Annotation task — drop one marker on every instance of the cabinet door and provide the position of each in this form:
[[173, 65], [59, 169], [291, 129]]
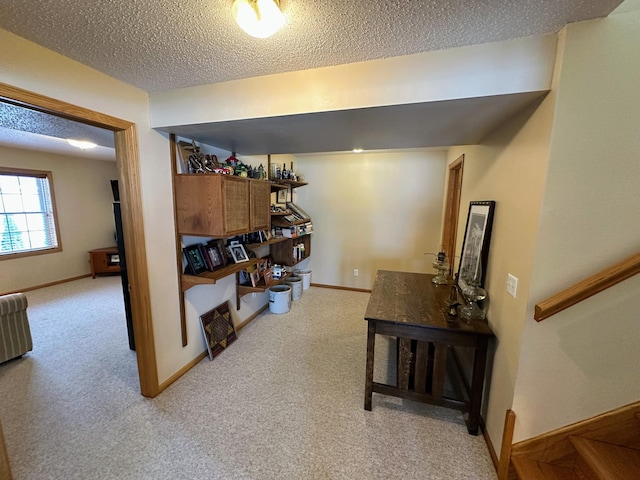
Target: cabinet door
[[212, 205], [199, 204], [260, 205], [235, 203]]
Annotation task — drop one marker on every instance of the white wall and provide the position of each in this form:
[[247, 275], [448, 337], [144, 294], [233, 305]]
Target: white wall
[[583, 361], [370, 211], [85, 217], [509, 167], [31, 67], [520, 65]]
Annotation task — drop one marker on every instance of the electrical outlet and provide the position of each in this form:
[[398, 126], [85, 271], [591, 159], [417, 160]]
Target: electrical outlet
[[512, 285], [355, 272]]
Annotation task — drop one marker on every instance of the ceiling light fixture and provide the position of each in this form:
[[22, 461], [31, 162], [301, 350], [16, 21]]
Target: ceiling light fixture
[[259, 18], [357, 150], [82, 144]]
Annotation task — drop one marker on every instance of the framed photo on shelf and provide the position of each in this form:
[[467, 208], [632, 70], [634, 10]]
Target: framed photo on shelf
[[268, 276], [281, 196], [214, 256], [255, 277], [205, 255], [263, 265], [238, 253], [475, 246], [195, 262]]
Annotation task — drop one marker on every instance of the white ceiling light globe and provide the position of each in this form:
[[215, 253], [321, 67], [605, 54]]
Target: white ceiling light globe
[[258, 18]]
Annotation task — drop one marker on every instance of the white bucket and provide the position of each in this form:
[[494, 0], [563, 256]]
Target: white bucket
[[279, 299], [296, 287], [306, 278]]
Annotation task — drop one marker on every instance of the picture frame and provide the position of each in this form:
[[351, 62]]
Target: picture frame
[[196, 263], [205, 255], [238, 253], [472, 268], [263, 265], [217, 329], [255, 277], [214, 255], [281, 196], [268, 276], [223, 251]]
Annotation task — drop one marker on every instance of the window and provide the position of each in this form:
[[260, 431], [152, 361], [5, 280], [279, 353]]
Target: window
[[28, 223]]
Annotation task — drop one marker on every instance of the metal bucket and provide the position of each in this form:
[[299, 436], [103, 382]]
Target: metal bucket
[[279, 299], [306, 278], [296, 287]]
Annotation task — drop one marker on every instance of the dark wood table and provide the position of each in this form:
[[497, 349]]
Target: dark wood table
[[412, 308]]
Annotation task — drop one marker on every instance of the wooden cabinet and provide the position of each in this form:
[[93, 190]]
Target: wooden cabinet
[[221, 205], [283, 252], [104, 260], [214, 205]]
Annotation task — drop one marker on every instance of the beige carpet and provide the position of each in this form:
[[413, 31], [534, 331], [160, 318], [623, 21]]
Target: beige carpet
[[285, 401]]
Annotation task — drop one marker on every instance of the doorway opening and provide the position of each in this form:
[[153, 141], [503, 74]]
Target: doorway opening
[[127, 165], [452, 210]]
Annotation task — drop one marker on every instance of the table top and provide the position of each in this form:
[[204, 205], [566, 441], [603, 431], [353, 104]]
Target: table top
[[413, 299], [105, 250]]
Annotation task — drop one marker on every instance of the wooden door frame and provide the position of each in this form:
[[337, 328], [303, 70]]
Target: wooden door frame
[[452, 210], [128, 166]]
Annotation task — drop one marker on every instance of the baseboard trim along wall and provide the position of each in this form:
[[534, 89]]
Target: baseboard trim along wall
[[336, 287], [50, 284]]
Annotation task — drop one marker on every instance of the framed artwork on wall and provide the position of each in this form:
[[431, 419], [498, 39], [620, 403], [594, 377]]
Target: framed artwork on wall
[[475, 246], [281, 196]]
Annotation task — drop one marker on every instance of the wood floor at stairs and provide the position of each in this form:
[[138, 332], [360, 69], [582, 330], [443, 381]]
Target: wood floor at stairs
[[605, 447], [607, 461], [532, 470]]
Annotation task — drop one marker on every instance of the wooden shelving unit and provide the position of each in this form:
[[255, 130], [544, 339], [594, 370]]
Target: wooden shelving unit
[[217, 206], [187, 281], [242, 290]]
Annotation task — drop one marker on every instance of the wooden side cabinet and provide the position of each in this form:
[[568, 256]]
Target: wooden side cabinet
[[104, 260]]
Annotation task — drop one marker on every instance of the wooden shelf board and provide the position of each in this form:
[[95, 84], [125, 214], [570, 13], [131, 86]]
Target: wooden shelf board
[[294, 184], [261, 287], [270, 242], [284, 223], [210, 278]]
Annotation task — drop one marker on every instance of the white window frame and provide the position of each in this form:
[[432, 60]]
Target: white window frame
[[42, 174]]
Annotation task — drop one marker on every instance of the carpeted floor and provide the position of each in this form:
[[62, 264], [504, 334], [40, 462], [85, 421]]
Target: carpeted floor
[[285, 401]]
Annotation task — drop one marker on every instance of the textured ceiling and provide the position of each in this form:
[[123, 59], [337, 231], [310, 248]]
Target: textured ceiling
[[160, 44]]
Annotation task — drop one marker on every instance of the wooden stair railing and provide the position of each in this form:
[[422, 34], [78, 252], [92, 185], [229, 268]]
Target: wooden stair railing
[[580, 291]]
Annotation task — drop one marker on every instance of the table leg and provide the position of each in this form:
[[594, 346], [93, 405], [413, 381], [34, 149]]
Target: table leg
[[368, 381], [404, 363], [422, 366], [439, 369], [477, 384]]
